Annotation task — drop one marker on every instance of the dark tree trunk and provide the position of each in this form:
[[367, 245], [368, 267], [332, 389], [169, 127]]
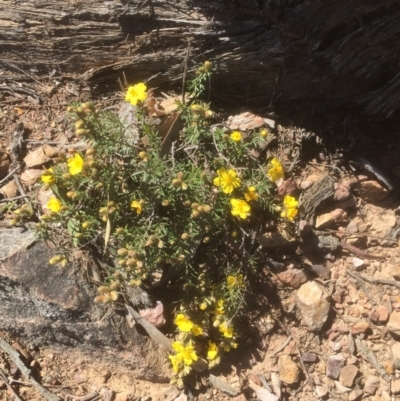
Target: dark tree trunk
[[318, 53]]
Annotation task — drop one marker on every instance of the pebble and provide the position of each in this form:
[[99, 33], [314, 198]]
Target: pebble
[[293, 277], [312, 301], [321, 391], [392, 270], [289, 372], [347, 375], [309, 357], [388, 365], [379, 315], [393, 325], [396, 349], [36, 158], [372, 191], [359, 264], [340, 389], [327, 219], [395, 386], [334, 366], [336, 346], [10, 189], [355, 395], [371, 385], [352, 228], [360, 327], [342, 191]]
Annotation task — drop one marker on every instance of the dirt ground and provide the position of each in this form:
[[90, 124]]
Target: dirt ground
[[354, 355]]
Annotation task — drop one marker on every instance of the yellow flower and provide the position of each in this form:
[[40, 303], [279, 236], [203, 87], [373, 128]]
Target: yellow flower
[[212, 351], [136, 93], [240, 208], [236, 136], [275, 170], [219, 307], [203, 306], [197, 330], [227, 180], [54, 205], [226, 330], [233, 281], [138, 206], [185, 354], [264, 133], [75, 164], [183, 323], [48, 177], [251, 194], [289, 208], [176, 363]]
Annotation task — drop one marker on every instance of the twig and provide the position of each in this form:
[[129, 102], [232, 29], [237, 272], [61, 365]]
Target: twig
[[13, 354], [185, 68], [5, 380], [12, 381], [361, 284], [87, 397], [370, 357], [380, 281], [13, 171]]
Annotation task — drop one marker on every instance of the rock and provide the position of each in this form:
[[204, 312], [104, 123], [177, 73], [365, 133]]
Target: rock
[[388, 365], [355, 395], [340, 389], [342, 191], [347, 375], [393, 325], [309, 357], [287, 187], [334, 366], [360, 327], [52, 306], [154, 315], [30, 176], [371, 191], [276, 240], [371, 385], [352, 228], [304, 185], [397, 363], [293, 277], [4, 164], [396, 349], [50, 151], [358, 263], [395, 386], [334, 217], [379, 315], [289, 372], [9, 190], [347, 204], [321, 391], [336, 346], [223, 386], [312, 301], [36, 158], [392, 270], [171, 394]]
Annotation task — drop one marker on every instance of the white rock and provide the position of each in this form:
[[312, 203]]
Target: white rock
[[312, 301]]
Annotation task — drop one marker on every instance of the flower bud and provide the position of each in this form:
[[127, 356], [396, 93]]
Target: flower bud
[[72, 194], [78, 235], [121, 262], [90, 152], [46, 217], [187, 203], [66, 176], [103, 289], [143, 155], [89, 106], [207, 66], [194, 205], [122, 252], [206, 240], [79, 124], [207, 208], [119, 231], [15, 221], [217, 323], [82, 132], [133, 254], [70, 109], [165, 202], [56, 259], [94, 172], [185, 237], [131, 262], [99, 185], [176, 182], [86, 225], [114, 295], [208, 114], [195, 214]]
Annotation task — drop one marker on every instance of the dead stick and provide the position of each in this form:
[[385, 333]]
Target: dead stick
[[370, 357], [381, 281], [13, 354], [5, 380]]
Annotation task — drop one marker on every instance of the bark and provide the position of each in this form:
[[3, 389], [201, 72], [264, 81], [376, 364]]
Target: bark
[[323, 55]]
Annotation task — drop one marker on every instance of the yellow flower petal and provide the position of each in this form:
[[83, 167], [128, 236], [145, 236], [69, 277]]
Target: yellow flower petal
[[54, 205], [240, 208], [275, 170], [75, 164], [236, 136]]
